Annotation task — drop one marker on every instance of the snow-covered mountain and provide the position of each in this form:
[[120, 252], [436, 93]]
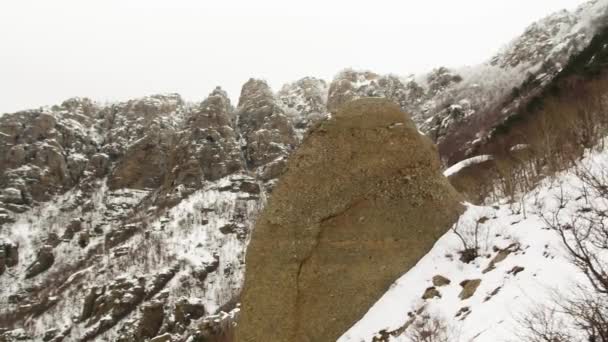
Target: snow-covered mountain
[[129, 221]]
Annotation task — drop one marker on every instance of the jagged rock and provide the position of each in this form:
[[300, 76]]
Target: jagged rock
[[159, 281], [219, 327], [111, 304], [83, 239], [99, 164], [76, 164], [440, 280], [202, 273], [152, 316], [249, 187], [52, 239], [349, 85], [9, 255], [229, 228], [431, 292], [207, 150], [144, 163], [267, 131], [468, 288], [500, 256], [73, 227], [515, 270], [117, 236], [37, 307], [186, 311], [16, 208], [305, 102], [233, 228], [359, 203], [12, 195], [5, 217], [15, 335], [50, 334], [44, 260], [89, 302]]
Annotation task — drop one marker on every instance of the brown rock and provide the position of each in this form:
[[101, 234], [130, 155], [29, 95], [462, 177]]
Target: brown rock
[[356, 195], [440, 280], [468, 288], [431, 292], [515, 270]]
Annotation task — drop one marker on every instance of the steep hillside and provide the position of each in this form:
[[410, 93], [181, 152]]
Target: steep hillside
[[523, 273]]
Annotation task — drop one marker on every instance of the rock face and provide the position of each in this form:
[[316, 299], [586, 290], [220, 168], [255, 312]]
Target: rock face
[[267, 132], [369, 191]]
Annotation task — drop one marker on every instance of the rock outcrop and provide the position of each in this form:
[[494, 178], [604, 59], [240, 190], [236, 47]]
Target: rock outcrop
[[369, 191], [268, 134]]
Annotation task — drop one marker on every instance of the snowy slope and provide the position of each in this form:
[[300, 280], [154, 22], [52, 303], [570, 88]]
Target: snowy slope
[[535, 267]]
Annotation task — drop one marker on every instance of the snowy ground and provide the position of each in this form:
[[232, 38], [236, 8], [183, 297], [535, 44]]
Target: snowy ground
[[507, 292]]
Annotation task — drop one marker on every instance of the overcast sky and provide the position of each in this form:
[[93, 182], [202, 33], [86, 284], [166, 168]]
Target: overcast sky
[[112, 50]]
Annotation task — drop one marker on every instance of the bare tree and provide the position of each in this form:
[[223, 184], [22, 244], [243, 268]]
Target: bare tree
[[469, 236], [544, 324], [584, 236]]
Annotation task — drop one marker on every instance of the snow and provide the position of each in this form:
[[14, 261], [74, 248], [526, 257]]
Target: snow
[[454, 169], [494, 314]]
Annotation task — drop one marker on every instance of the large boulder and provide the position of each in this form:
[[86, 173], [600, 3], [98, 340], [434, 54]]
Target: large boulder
[[362, 200]]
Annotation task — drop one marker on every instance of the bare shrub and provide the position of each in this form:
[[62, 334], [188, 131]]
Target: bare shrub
[[469, 236], [429, 328]]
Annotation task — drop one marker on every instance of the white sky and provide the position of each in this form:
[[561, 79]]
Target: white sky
[[119, 49]]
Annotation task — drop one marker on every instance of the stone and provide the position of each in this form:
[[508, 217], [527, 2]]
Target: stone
[[52, 239], [431, 292], [440, 280], [468, 288], [99, 164], [515, 270], [83, 239], [44, 260], [152, 316], [119, 235], [73, 227], [355, 195], [186, 311], [89, 302], [9, 254]]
